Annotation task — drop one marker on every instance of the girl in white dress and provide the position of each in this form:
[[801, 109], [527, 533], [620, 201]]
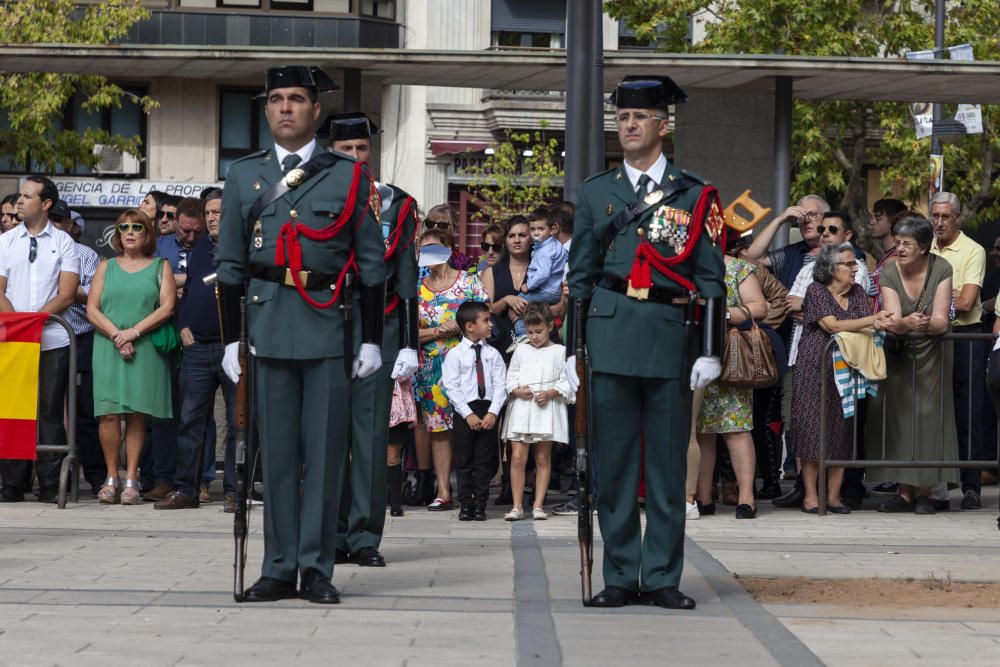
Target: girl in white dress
[[536, 412]]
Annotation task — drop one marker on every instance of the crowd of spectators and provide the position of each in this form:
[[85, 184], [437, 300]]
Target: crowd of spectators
[[149, 358]]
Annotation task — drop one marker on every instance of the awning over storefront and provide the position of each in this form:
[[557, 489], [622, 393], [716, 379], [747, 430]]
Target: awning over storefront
[[456, 146]]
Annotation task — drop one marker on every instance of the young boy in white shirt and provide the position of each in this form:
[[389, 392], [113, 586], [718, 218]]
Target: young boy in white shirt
[[474, 380]]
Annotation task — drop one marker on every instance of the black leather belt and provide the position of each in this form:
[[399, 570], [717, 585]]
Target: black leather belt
[[283, 276], [667, 295]]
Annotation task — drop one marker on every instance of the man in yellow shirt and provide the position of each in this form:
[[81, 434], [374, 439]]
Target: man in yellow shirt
[[968, 261]]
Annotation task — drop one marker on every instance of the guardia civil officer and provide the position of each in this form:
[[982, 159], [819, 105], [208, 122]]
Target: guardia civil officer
[[645, 243], [363, 479], [298, 225]]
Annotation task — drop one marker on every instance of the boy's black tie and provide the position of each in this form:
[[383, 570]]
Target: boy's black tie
[[480, 375]]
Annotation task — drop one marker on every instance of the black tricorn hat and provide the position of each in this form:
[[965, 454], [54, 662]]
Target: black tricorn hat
[[297, 76], [346, 126], [646, 92]]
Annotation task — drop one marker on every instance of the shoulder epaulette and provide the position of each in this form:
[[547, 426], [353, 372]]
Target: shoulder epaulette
[[599, 174], [251, 156], [695, 177]]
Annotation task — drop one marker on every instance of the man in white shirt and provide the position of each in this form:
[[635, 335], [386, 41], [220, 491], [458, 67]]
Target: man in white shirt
[[40, 272]]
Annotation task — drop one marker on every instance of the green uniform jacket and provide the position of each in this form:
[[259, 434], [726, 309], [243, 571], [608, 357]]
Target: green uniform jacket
[[281, 324], [401, 268], [626, 336]]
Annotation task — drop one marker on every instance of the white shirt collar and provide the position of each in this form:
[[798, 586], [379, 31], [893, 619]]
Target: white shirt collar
[[46, 231], [468, 342], [306, 152], [655, 172]]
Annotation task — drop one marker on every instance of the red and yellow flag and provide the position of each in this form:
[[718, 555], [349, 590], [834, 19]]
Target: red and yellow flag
[[20, 347]]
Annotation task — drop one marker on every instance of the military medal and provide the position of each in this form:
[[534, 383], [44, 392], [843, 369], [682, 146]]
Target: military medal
[[714, 222], [258, 235], [294, 177], [256, 185], [608, 209], [671, 225]]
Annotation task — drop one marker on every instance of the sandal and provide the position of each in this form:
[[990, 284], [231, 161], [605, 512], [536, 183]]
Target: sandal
[[130, 495], [110, 493]]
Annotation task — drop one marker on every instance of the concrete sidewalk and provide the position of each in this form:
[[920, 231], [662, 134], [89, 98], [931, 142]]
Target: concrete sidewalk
[[100, 585]]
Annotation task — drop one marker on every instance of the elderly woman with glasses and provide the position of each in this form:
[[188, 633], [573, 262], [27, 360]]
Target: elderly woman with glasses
[[834, 303], [130, 297], [919, 415]]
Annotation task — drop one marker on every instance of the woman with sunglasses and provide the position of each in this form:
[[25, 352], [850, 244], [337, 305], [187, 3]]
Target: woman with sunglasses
[[492, 247], [152, 202], [443, 218], [131, 295], [8, 211], [503, 282]]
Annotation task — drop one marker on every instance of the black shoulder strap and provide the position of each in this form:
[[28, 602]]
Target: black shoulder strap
[[637, 208], [291, 180]]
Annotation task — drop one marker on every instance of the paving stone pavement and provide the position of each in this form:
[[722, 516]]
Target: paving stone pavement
[[110, 585]]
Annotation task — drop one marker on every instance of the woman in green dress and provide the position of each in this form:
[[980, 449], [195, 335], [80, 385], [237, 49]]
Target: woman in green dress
[[729, 410], [130, 297], [919, 415]]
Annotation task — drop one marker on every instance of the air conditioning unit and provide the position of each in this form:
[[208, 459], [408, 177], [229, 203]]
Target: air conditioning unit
[[113, 161]]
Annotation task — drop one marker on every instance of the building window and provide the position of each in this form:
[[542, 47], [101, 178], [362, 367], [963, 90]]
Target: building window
[[238, 3], [242, 126], [296, 5], [382, 9], [128, 121], [537, 40]]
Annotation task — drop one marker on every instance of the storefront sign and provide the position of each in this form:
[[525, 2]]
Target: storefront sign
[[103, 193]]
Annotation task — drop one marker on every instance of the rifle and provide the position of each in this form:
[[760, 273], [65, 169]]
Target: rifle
[[585, 525], [244, 463]]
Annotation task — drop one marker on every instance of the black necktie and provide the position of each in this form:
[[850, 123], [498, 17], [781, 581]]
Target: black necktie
[[641, 188], [290, 162], [480, 374]]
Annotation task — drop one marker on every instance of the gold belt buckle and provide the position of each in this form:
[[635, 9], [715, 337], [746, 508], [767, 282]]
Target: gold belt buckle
[[680, 301], [290, 280]]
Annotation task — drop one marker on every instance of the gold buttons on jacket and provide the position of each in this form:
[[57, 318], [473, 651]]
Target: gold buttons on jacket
[[294, 213]]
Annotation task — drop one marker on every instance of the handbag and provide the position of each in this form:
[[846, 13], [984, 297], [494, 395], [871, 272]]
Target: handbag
[[896, 347], [748, 359], [165, 337]]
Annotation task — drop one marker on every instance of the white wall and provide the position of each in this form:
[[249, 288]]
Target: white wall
[[183, 133]]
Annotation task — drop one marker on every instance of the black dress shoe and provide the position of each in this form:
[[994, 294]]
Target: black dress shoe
[[793, 498], [668, 598], [8, 495], [614, 596], [971, 500], [851, 501], [317, 588], [479, 514], [466, 513], [769, 491], [269, 589], [367, 557], [923, 505], [341, 557], [705, 509], [395, 510], [896, 505], [746, 512], [48, 497]]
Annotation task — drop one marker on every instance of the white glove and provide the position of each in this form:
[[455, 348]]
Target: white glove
[[231, 362], [406, 364], [705, 370], [574, 380], [368, 361]]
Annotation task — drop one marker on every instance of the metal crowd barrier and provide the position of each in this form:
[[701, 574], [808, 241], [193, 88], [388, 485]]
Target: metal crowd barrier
[[873, 461], [69, 472]]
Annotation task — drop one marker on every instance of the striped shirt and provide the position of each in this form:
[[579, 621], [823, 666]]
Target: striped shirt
[[77, 313]]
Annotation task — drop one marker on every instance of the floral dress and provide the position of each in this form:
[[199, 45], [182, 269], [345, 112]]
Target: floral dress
[[729, 409], [436, 308]]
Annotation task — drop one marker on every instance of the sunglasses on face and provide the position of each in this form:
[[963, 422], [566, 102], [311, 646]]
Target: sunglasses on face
[[126, 227], [33, 250], [167, 214], [833, 229], [430, 224], [495, 247]]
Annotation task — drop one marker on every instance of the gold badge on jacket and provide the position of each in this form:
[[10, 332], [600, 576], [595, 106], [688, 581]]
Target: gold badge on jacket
[[670, 225], [714, 222]]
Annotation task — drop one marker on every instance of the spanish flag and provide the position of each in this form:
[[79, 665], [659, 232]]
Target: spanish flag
[[20, 348]]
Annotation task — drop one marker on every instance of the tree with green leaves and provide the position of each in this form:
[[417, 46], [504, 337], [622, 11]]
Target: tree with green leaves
[[832, 141], [518, 176], [33, 103]]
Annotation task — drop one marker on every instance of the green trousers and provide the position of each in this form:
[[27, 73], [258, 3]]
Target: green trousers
[[624, 410], [302, 417], [363, 488]]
